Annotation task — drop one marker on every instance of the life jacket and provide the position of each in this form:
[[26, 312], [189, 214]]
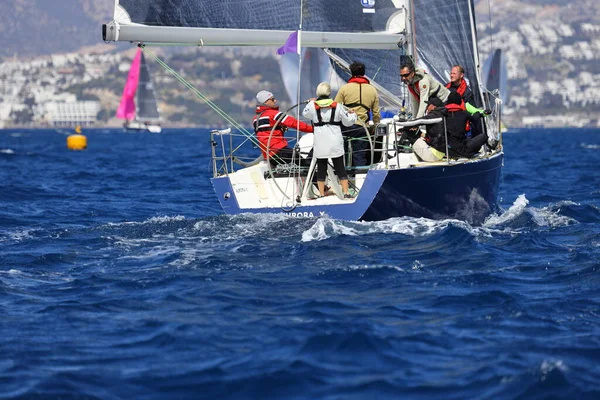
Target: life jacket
[[263, 123], [361, 80], [461, 88], [331, 121], [459, 107]]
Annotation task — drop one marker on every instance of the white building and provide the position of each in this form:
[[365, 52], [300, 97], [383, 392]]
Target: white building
[[72, 113]]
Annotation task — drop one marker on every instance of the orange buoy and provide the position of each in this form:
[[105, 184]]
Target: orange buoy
[[77, 141]]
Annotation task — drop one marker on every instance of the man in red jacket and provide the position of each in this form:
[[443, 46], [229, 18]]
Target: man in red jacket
[[267, 116]]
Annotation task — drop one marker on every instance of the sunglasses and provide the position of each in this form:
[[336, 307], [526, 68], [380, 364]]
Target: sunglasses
[[406, 75]]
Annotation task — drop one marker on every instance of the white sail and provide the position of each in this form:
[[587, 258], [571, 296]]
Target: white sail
[[316, 68]]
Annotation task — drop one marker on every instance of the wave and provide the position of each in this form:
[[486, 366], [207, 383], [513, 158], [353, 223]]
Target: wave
[[18, 235], [520, 216], [590, 146], [517, 217]]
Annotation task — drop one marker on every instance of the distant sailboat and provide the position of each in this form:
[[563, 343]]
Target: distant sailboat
[[138, 103], [495, 77]]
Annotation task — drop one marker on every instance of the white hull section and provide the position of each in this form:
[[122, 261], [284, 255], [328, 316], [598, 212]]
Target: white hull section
[[142, 126]]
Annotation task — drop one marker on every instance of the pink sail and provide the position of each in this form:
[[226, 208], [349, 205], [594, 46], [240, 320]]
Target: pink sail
[[126, 108]]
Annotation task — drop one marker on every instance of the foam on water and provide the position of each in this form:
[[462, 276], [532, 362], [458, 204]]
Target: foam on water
[[152, 220], [590, 146], [548, 366], [516, 209], [17, 235], [550, 216], [325, 228]]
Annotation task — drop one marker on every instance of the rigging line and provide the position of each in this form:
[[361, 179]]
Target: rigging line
[[381, 65], [294, 173], [299, 49], [212, 105]]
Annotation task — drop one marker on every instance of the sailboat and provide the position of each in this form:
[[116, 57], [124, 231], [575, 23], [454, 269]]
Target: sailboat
[[496, 77], [138, 103], [382, 34]]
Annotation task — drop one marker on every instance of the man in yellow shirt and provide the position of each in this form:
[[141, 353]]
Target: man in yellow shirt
[[359, 95]]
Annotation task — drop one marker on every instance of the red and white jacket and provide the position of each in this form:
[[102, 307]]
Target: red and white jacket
[[266, 117]]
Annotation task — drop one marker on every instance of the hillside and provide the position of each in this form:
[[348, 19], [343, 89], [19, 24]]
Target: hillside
[[30, 28], [553, 51]]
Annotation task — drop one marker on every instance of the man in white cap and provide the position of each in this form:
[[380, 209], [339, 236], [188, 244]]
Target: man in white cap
[[267, 116]]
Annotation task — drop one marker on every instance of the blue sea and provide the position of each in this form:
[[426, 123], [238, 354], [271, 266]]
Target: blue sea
[[120, 278]]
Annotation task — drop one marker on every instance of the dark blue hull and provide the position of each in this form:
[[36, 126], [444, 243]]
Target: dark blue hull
[[467, 192]]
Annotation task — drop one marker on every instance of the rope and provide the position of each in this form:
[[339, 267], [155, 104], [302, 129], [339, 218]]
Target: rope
[[201, 96], [249, 135]]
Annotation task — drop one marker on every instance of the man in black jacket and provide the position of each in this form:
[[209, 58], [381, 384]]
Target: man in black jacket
[[432, 147], [456, 122], [453, 125]]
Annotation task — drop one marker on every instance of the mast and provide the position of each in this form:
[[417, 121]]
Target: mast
[[299, 47], [411, 47]]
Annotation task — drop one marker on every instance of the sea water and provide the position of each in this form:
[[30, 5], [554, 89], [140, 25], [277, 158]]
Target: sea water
[[120, 278]]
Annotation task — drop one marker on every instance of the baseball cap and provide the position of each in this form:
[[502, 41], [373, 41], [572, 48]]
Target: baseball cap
[[263, 96], [436, 101]]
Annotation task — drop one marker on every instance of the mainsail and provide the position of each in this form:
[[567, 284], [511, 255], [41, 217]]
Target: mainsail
[[446, 36], [264, 23], [347, 26], [147, 109], [318, 15]]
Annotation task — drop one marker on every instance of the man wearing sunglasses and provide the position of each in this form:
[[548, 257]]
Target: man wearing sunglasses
[[422, 88]]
